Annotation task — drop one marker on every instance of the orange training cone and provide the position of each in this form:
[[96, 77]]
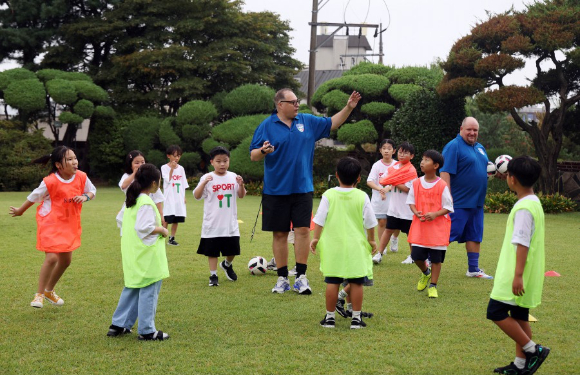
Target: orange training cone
[[552, 274]]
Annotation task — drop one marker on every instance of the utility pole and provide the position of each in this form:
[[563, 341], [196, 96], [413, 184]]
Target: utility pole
[[312, 61], [381, 44]]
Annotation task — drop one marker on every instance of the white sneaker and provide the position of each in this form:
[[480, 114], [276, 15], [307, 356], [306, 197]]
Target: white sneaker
[[409, 260], [301, 285], [428, 263], [377, 258], [272, 265], [292, 272], [394, 244], [480, 274], [282, 285]]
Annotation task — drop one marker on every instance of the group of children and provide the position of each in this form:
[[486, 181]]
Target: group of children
[[344, 234]]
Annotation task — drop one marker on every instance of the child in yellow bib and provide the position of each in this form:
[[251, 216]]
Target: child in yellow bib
[[347, 242], [144, 258], [520, 271]]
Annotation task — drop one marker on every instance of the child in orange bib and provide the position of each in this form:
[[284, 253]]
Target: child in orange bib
[[430, 201], [58, 218]]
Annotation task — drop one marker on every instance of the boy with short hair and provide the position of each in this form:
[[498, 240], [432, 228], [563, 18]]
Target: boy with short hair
[[347, 242], [220, 232], [174, 185], [430, 201], [399, 180], [520, 271]]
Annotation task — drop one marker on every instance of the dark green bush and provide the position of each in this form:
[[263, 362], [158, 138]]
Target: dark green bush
[[196, 112], [377, 110], [368, 68], [209, 143], [156, 157], [237, 129], [141, 133], [357, 133], [335, 100], [17, 150], [190, 162], [249, 99], [27, 95], [84, 108], [62, 91], [370, 86], [167, 136], [90, 91], [104, 111], [418, 75], [504, 202], [241, 164], [402, 92], [12, 75], [70, 118]]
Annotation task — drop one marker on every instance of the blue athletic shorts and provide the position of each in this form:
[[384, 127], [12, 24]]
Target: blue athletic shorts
[[466, 225]]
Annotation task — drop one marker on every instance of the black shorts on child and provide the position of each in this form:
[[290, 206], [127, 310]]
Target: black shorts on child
[[212, 247], [422, 253], [394, 223], [339, 280], [498, 311], [172, 219]]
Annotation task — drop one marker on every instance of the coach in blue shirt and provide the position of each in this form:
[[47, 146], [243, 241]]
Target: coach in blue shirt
[[465, 172], [286, 141]]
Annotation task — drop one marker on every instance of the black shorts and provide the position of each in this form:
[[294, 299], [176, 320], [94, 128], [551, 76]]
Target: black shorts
[[279, 210], [498, 311], [212, 247], [367, 282], [422, 253], [172, 219], [401, 224], [339, 280]]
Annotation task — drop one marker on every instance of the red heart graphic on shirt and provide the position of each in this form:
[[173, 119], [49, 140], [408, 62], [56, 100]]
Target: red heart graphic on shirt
[[220, 197]]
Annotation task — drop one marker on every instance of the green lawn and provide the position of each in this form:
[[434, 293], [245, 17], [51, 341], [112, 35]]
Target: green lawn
[[242, 328]]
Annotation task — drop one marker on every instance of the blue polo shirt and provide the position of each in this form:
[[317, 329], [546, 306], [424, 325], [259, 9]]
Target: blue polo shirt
[[288, 170], [467, 166]]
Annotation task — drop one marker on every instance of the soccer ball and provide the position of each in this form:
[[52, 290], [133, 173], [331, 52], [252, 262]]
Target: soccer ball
[[257, 266], [490, 170], [501, 163]]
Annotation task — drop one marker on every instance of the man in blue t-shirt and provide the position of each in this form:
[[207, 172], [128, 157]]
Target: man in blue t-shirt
[[465, 172], [285, 141]]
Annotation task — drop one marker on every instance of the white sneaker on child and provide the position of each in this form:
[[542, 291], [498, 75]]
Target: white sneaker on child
[[408, 260], [394, 244], [377, 258]]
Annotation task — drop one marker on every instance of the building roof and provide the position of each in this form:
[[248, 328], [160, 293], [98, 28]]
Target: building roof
[[320, 76], [353, 41]]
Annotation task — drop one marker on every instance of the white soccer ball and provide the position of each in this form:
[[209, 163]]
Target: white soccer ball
[[490, 170], [501, 163], [257, 265]]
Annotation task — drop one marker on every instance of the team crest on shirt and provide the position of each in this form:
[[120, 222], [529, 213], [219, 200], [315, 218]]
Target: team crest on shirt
[[300, 127], [481, 151]]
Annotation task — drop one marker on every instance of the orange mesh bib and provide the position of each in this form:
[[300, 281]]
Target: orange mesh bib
[[429, 233], [60, 230]]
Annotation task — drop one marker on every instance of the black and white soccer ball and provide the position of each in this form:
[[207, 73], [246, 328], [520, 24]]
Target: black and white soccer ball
[[501, 163], [490, 170], [257, 265]]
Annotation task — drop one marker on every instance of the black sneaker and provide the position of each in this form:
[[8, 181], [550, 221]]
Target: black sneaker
[[213, 280], [327, 322], [534, 360], [510, 369], [230, 274], [357, 323], [363, 314], [340, 308], [155, 336], [115, 331], [172, 241]]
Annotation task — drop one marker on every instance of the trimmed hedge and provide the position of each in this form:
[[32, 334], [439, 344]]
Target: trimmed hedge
[[249, 99], [27, 95], [358, 133], [234, 131], [504, 202], [402, 92], [62, 91], [196, 112]]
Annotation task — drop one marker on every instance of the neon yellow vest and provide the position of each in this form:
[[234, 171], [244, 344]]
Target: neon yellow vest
[[535, 262], [143, 265], [343, 246]]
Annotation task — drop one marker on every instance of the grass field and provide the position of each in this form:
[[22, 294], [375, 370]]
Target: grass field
[[242, 328]]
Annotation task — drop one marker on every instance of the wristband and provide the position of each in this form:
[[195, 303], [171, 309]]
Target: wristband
[[86, 195], [262, 151]]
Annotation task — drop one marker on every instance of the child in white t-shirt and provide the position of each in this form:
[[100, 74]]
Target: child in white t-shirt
[[133, 161], [220, 231], [174, 185], [381, 196]]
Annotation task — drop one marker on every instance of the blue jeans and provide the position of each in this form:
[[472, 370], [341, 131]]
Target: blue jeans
[[138, 303]]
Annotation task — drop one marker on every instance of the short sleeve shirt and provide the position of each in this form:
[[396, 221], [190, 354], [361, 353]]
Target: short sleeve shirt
[[174, 191], [467, 167], [378, 171], [220, 212], [288, 170]]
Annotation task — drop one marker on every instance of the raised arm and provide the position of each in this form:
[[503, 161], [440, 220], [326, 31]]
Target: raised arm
[[339, 118]]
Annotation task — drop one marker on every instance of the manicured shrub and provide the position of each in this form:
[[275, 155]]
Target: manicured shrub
[[237, 129], [90, 91], [357, 133], [27, 95], [208, 144], [84, 108], [241, 164], [62, 91], [196, 112], [402, 92], [249, 99], [335, 100], [368, 68], [70, 118]]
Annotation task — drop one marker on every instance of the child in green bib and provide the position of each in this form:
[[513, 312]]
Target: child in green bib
[[347, 242], [144, 259], [520, 270]]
